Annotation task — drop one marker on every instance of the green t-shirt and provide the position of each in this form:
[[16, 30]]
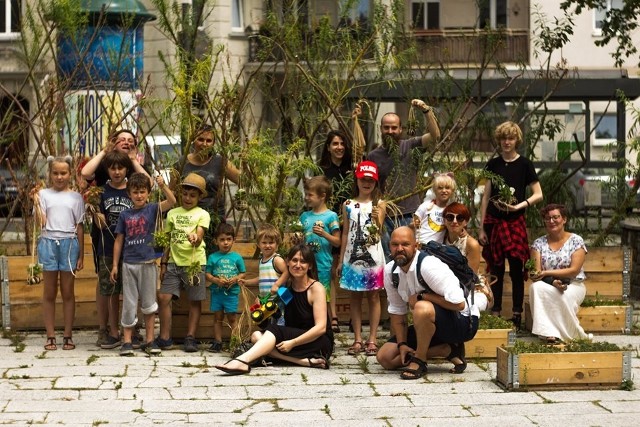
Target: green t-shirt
[[181, 223]]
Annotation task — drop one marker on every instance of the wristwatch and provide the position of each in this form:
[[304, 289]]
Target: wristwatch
[[419, 297]]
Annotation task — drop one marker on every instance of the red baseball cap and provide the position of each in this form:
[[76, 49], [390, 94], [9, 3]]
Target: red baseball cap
[[367, 169]]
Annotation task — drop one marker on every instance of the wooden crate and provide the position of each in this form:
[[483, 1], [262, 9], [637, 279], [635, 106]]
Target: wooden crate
[[558, 371], [343, 307], [599, 320], [22, 303], [486, 341]]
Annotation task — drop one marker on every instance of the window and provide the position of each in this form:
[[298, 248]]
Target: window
[[237, 25], [492, 13], [425, 14], [359, 14], [606, 129], [10, 17], [600, 15]]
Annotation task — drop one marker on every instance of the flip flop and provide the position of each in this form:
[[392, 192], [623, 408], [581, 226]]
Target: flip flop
[[355, 349], [370, 349], [51, 344], [67, 343], [324, 364], [236, 371]]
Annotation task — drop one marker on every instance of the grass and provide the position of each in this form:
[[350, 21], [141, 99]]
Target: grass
[[17, 340], [92, 359], [363, 363]]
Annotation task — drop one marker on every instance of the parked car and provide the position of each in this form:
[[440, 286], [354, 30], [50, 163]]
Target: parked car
[[165, 151], [9, 190]]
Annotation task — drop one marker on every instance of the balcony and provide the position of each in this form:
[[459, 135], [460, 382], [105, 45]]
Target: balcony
[[472, 46]]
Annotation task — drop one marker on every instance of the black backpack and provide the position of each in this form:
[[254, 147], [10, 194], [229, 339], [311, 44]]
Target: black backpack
[[454, 259]]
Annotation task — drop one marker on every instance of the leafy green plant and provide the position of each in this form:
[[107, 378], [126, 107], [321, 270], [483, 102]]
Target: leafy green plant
[[488, 321]]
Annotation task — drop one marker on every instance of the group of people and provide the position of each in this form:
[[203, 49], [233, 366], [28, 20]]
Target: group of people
[[353, 242]]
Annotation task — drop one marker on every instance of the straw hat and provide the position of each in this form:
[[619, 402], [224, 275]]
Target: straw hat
[[196, 181]]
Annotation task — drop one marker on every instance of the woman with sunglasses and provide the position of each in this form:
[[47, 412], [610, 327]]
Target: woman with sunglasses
[[558, 280], [456, 217]]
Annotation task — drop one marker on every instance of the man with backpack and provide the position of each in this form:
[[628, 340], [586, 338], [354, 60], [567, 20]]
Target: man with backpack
[[442, 318]]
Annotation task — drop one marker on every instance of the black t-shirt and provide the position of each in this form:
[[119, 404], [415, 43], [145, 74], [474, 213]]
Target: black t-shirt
[[336, 174], [518, 174]]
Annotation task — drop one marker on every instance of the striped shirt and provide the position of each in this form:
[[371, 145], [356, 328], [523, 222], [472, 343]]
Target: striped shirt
[[267, 275]]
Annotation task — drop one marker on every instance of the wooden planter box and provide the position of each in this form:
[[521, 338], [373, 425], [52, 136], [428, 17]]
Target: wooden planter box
[[486, 341], [600, 319], [606, 319], [557, 371]]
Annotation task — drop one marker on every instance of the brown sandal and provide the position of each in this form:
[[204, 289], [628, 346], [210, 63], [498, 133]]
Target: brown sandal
[[67, 343], [355, 349], [51, 344], [371, 348]]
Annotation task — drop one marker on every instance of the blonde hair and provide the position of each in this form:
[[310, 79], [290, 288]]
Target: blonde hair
[[444, 180], [268, 231], [320, 185], [506, 130], [60, 159]]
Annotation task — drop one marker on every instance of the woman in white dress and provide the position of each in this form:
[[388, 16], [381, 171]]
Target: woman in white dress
[[558, 279]]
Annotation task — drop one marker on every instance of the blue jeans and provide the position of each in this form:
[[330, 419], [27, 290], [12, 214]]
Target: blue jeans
[[390, 224]]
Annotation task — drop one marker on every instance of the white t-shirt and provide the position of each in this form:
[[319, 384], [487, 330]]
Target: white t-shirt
[[436, 274], [64, 211], [431, 222]]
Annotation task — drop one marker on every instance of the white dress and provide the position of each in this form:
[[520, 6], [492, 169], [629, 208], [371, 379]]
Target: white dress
[[480, 300], [555, 313]]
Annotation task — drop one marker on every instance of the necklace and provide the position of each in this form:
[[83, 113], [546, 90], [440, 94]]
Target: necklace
[[507, 161]]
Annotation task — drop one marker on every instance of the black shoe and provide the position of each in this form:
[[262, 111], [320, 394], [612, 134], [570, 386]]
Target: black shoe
[[517, 321], [457, 352], [190, 344], [216, 347]]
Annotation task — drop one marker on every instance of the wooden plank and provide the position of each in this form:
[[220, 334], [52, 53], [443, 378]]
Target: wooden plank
[[29, 316], [343, 306], [570, 368], [502, 368], [486, 341], [601, 319]]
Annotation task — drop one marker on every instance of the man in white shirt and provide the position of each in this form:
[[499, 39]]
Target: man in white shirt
[[442, 320]]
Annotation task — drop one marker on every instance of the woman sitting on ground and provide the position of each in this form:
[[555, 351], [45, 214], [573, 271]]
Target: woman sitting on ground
[[307, 338], [558, 279]]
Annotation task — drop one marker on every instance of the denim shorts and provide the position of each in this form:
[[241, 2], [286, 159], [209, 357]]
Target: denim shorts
[[58, 254]]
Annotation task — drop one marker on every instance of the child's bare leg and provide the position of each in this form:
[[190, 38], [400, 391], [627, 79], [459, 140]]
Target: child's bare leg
[[127, 334], [373, 298], [218, 317], [67, 281], [164, 311], [113, 313], [49, 293], [195, 309], [232, 319], [149, 325]]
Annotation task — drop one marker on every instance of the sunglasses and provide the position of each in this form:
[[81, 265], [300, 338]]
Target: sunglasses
[[454, 217]]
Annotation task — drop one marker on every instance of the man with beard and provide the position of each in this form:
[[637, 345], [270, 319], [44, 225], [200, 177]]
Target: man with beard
[[398, 161], [442, 319]]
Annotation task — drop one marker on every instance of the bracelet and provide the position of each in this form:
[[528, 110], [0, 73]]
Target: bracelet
[[528, 204], [400, 344], [427, 110]]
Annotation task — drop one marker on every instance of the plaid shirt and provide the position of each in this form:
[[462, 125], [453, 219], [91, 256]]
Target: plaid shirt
[[508, 239]]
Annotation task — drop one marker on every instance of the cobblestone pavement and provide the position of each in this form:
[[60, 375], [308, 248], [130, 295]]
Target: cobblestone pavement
[[90, 386]]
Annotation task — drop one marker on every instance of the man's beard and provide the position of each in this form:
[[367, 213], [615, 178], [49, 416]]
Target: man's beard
[[401, 260], [389, 141]]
